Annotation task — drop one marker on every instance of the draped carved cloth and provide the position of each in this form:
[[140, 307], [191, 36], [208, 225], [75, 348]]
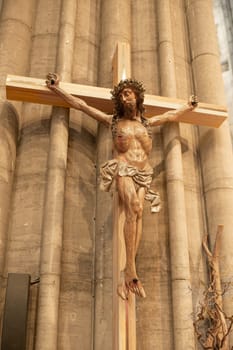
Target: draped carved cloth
[[141, 178]]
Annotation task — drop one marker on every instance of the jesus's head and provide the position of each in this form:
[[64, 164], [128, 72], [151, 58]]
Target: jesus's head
[[124, 95]]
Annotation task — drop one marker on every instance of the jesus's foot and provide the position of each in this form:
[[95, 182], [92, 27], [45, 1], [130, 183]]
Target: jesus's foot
[[136, 287], [128, 285], [133, 283]]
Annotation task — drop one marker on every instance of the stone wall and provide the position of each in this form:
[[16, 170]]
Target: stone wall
[[223, 10]]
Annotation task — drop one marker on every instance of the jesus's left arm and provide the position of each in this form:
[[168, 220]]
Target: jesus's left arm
[[173, 115]]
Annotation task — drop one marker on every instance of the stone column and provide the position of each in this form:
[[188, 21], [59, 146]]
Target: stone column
[[53, 222], [15, 38], [116, 26], [8, 144], [154, 312], [179, 250], [195, 216], [76, 295], [66, 40], [144, 45], [50, 269], [215, 145]]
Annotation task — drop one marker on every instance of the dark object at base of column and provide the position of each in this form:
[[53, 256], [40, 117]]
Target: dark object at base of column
[[15, 312]]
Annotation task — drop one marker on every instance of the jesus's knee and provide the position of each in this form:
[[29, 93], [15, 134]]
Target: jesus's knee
[[138, 208], [135, 209]]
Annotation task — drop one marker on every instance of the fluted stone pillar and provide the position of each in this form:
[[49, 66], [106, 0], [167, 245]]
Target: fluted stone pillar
[[65, 51], [153, 313], [9, 138], [75, 306], [215, 145], [86, 53], [116, 26], [144, 45], [76, 296], [50, 263], [15, 38], [179, 250], [195, 215], [53, 223], [86, 49]]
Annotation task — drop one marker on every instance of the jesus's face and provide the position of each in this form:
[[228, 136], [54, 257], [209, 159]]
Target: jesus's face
[[128, 99]]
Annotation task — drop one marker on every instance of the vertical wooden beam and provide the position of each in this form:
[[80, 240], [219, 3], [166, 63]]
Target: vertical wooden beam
[[124, 315], [121, 65], [115, 25], [119, 259]]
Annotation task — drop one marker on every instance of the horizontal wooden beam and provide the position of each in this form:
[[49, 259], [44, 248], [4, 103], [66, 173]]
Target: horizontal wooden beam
[[205, 115], [34, 90]]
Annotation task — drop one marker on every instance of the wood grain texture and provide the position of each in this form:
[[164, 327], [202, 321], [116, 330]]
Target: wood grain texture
[[35, 90]]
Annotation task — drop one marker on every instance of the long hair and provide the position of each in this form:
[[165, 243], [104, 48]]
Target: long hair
[[118, 111]]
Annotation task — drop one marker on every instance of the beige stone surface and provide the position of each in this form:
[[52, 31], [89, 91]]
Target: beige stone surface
[[25, 224], [179, 253], [215, 147], [52, 232], [144, 44], [15, 37], [77, 282], [153, 313], [53, 213], [8, 136]]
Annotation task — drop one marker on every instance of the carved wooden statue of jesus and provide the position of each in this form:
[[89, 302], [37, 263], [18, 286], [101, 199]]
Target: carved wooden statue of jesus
[[130, 167]]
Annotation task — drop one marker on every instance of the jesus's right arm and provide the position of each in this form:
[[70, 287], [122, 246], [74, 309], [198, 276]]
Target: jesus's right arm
[[76, 102]]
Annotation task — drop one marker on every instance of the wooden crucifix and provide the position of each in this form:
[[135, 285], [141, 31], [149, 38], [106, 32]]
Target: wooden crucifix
[[130, 167]]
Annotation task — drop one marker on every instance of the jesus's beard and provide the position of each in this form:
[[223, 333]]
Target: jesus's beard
[[129, 108]]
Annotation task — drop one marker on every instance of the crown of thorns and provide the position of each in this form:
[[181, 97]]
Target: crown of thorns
[[135, 85]]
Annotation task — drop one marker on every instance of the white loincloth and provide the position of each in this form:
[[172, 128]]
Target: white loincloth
[[141, 177]]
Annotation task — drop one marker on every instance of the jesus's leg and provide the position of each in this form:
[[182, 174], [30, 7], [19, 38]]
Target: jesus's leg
[[141, 196], [137, 285], [133, 210]]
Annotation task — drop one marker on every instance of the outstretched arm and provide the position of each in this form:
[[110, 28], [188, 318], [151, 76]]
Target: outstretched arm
[[76, 102], [173, 116]]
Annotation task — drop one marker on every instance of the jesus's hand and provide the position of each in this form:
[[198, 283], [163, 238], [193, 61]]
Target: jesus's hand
[[52, 80], [193, 101]]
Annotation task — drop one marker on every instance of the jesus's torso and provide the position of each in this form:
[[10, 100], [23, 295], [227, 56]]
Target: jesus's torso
[[132, 143]]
